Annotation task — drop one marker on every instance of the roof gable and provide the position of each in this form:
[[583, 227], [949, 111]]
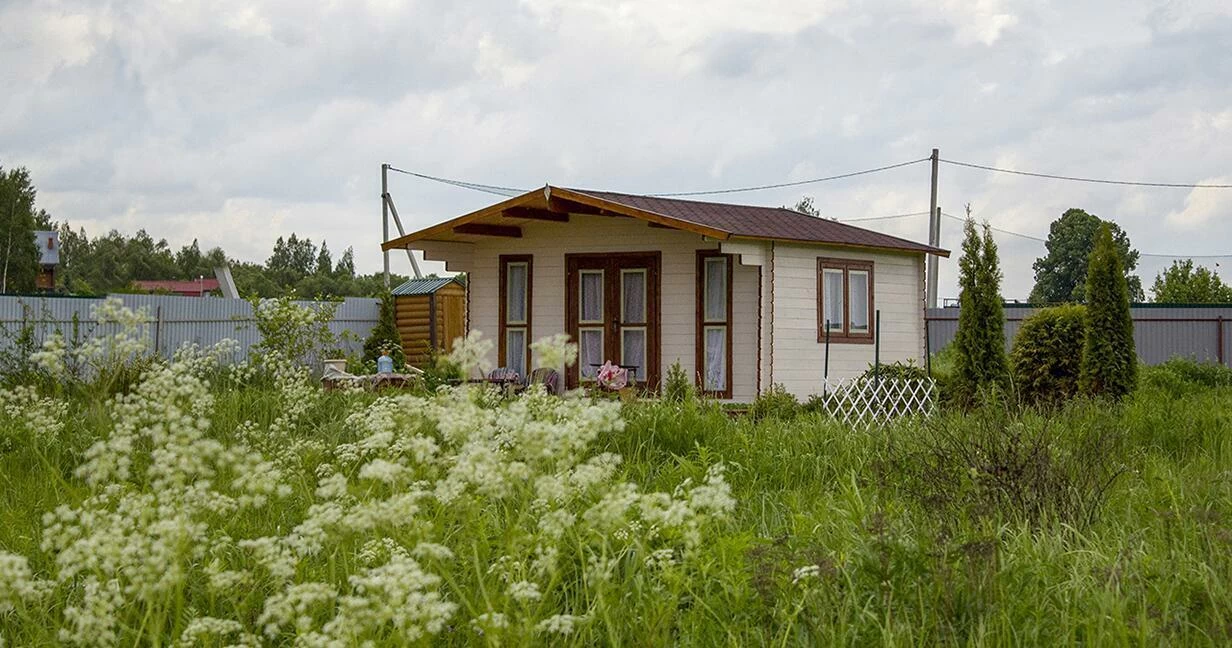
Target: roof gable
[[716, 220]]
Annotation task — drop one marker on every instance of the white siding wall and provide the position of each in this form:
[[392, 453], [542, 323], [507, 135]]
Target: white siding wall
[[548, 242], [898, 292]]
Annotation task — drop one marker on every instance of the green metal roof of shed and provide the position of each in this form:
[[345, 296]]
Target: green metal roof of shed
[[423, 286]]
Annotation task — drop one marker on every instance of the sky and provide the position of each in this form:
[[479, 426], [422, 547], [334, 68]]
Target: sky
[[238, 122]]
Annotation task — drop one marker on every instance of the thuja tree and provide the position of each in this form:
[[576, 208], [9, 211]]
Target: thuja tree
[[1109, 361], [980, 341]]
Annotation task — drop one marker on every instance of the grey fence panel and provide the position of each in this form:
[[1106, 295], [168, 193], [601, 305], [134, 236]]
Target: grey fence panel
[[171, 320], [1202, 333]]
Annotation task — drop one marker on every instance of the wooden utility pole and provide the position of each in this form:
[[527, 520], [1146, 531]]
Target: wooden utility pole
[[385, 214], [934, 235]]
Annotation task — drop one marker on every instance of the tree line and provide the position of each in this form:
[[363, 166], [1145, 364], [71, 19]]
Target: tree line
[[112, 262]]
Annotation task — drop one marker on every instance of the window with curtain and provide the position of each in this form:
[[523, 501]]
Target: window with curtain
[[844, 300], [590, 311], [714, 309], [515, 309]]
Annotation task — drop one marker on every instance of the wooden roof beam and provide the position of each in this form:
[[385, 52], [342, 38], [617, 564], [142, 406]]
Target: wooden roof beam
[[484, 229], [534, 213], [562, 206]]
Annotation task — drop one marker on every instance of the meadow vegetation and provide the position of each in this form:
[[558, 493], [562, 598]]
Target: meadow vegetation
[[209, 502]]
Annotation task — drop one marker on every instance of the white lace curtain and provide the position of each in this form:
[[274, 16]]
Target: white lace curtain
[[716, 358]]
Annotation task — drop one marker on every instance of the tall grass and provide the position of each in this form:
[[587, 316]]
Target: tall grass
[[1094, 523]]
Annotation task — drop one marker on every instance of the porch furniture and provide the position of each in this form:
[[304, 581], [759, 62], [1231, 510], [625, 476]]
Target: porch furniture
[[549, 378]]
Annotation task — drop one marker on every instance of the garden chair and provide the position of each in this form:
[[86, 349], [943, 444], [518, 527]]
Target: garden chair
[[505, 379], [549, 378]]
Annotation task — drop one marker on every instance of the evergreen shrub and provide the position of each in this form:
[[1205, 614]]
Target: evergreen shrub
[[1047, 355]]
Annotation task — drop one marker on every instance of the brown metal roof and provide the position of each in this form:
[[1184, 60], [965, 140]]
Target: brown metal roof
[[777, 223], [716, 220]]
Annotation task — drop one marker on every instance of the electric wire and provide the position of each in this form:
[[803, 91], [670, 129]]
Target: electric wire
[[1130, 183], [781, 185], [1157, 255], [486, 188], [876, 218]]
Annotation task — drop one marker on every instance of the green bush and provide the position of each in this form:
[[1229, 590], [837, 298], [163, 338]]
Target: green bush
[[678, 387], [775, 402], [1183, 375], [1047, 354], [1109, 362]]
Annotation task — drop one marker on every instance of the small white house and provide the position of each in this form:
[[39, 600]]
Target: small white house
[[740, 296]]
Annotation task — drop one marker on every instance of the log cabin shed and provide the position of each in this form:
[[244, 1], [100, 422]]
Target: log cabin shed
[[741, 296], [429, 313]]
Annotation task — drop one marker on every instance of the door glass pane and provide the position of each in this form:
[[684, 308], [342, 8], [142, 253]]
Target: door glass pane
[[716, 290], [857, 285], [591, 286], [715, 371], [590, 352], [633, 352], [832, 298], [515, 350], [515, 293], [633, 296]]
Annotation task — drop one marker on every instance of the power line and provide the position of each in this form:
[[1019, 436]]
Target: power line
[[874, 218], [507, 191], [1092, 180], [1141, 254], [492, 189], [781, 185]]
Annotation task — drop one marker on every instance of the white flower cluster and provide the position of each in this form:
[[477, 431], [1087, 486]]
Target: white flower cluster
[[18, 585], [120, 338], [41, 418], [556, 352], [398, 511]]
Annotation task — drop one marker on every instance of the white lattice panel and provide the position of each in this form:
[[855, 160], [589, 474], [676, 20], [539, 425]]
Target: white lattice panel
[[864, 403]]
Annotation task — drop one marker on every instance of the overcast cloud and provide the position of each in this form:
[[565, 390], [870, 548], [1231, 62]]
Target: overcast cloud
[[238, 122]]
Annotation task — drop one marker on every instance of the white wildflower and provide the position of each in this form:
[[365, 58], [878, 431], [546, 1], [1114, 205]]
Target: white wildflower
[[556, 352], [17, 582], [805, 573], [524, 592], [470, 352], [562, 624]]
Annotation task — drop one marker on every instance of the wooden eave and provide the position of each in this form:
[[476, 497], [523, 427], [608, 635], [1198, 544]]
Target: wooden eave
[[549, 200]]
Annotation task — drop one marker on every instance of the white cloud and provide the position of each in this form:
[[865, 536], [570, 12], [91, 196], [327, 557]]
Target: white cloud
[[1203, 206], [239, 121]]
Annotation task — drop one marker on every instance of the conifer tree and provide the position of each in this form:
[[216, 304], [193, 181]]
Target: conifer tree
[[1109, 361], [980, 340]]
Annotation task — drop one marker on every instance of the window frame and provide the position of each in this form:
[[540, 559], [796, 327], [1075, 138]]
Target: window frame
[[844, 335], [704, 323], [505, 261]]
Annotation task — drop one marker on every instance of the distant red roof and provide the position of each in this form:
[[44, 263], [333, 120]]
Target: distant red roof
[[191, 288]]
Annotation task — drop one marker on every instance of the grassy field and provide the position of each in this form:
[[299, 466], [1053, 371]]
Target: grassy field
[[211, 507]]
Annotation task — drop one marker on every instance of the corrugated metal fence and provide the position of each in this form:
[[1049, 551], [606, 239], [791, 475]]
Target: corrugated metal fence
[[172, 320], [1161, 331]]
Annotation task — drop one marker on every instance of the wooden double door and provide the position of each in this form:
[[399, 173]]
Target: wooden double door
[[612, 312]]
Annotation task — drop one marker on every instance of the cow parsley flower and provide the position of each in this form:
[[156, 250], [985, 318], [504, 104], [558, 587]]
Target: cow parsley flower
[[562, 624], [524, 592]]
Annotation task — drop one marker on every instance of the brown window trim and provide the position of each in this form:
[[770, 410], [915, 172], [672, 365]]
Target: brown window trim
[[844, 336], [505, 260], [609, 261], [700, 339]]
